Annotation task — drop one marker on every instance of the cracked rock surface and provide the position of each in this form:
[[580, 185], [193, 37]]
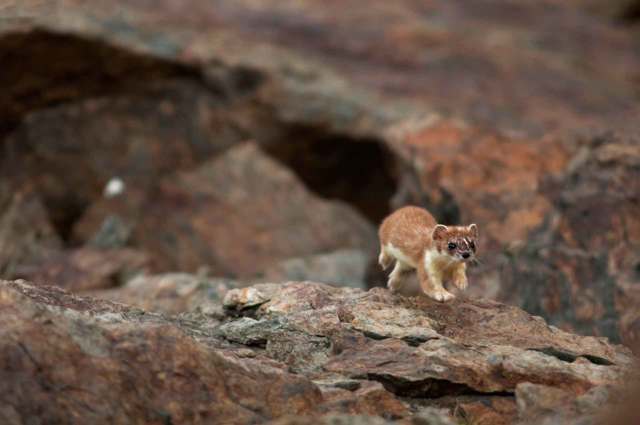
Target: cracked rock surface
[[300, 352], [519, 116]]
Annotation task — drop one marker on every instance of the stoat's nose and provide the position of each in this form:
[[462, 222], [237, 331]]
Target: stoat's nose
[[465, 255]]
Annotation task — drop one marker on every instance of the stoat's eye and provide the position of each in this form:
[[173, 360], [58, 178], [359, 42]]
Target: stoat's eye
[[452, 245], [472, 245]]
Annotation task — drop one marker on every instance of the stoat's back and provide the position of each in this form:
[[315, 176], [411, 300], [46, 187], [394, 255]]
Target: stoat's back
[[409, 230]]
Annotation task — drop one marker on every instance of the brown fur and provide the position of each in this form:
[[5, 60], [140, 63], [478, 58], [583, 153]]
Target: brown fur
[[412, 238]]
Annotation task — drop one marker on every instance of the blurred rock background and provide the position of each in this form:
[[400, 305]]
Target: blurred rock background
[[259, 140], [158, 158]]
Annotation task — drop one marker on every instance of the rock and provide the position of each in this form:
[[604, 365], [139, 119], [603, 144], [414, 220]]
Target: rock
[[497, 191], [439, 366], [137, 138], [165, 91], [534, 399], [331, 419], [370, 398], [113, 233], [537, 208], [114, 363], [250, 297], [238, 214], [562, 69], [465, 346], [482, 409], [26, 234], [86, 269], [392, 322], [470, 110], [622, 11], [488, 410], [248, 331], [431, 416], [580, 266], [283, 341], [68, 359], [173, 293], [544, 405], [345, 267]]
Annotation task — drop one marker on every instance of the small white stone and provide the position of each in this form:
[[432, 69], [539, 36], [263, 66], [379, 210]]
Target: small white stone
[[114, 187]]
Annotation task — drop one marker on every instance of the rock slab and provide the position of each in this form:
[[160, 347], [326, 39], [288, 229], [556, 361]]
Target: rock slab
[[298, 352]]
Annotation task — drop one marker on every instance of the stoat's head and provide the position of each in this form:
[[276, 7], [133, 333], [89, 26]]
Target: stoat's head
[[458, 242]]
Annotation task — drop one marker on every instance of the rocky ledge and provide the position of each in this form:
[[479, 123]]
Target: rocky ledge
[[299, 352]]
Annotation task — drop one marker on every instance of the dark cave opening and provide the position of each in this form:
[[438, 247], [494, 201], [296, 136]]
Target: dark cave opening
[[630, 13], [355, 171]]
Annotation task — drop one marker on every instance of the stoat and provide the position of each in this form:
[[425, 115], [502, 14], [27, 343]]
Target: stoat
[[413, 239]]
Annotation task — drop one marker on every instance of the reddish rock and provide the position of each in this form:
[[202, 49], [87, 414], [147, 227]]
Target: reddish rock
[[252, 69], [530, 66], [370, 398], [459, 348], [557, 219], [237, 214], [512, 79], [113, 363], [527, 66], [580, 267], [69, 359], [488, 410], [468, 174]]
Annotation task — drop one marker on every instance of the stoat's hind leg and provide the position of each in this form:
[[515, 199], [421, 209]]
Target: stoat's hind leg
[[396, 278], [384, 259]]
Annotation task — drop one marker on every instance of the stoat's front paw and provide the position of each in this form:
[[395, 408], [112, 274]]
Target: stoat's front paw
[[441, 295], [461, 283]]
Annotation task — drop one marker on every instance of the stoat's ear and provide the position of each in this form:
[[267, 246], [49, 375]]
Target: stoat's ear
[[473, 229], [439, 232]]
